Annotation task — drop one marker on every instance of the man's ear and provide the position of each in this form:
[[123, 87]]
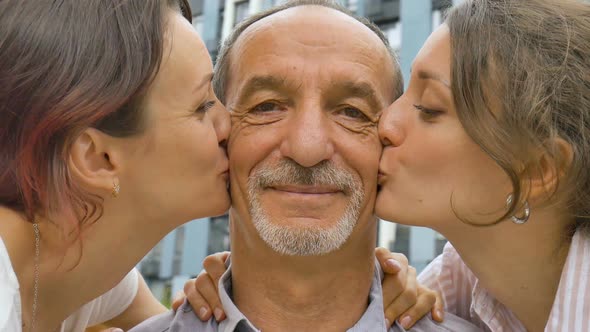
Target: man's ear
[[95, 160], [547, 169]]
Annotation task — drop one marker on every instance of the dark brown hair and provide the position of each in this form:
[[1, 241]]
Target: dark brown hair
[[66, 66], [521, 80], [223, 59]]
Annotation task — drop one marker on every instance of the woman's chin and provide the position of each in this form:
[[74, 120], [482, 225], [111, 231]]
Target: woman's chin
[[222, 209], [213, 207], [383, 208]]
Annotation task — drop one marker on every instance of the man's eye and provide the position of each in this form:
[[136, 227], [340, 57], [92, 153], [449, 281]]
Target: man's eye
[[353, 113], [266, 107]]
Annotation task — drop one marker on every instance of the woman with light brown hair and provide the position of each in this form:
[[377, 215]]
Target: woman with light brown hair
[[490, 146], [110, 137]]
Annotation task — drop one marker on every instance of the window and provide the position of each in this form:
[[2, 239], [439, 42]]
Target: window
[[242, 11]]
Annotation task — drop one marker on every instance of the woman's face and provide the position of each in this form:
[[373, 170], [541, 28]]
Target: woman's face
[[429, 163], [179, 165]]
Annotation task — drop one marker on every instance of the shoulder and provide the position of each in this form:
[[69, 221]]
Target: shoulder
[[120, 296], [8, 279], [450, 257], [452, 323], [450, 276], [183, 320], [10, 317], [107, 306]]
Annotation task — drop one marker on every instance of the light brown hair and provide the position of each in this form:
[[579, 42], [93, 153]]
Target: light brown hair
[[521, 80], [66, 66]]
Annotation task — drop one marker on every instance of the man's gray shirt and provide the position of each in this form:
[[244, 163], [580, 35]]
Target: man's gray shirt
[[184, 320]]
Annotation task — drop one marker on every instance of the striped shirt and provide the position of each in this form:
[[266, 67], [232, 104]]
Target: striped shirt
[[465, 298]]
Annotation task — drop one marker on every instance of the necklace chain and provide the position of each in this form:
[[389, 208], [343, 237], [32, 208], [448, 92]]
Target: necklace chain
[[36, 277]]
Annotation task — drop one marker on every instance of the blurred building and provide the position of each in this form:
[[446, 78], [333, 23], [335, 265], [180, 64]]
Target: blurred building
[[407, 24]]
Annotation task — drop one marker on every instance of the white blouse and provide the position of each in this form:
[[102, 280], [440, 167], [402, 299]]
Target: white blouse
[[102, 309]]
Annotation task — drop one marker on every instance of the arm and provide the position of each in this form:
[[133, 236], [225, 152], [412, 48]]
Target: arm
[[144, 306]]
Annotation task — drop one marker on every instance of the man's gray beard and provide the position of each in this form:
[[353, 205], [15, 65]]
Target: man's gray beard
[[298, 240]]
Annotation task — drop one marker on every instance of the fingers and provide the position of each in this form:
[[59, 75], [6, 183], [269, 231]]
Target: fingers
[[215, 265], [203, 297], [393, 286], [425, 303], [395, 268], [202, 292], [438, 311], [179, 297], [195, 299], [391, 262], [405, 300]]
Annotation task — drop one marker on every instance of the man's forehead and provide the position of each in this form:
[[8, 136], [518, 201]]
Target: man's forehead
[[302, 14], [311, 43], [313, 25]]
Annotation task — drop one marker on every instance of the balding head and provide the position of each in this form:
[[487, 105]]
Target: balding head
[[223, 63]]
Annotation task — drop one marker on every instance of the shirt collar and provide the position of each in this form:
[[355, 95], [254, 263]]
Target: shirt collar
[[372, 319], [234, 316]]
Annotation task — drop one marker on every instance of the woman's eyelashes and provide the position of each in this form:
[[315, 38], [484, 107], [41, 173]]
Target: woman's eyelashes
[[205, 106], [427, 113]]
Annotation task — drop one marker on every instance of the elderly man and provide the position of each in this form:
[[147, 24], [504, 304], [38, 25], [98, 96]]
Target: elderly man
[[305, 84]]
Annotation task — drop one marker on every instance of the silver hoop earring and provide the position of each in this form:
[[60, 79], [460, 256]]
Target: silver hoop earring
[[522, 219]]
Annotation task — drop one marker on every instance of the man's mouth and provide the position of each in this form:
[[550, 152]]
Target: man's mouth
[[307, 189]]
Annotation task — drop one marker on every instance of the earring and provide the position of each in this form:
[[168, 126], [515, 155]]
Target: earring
[[522, 219], [116, 189]]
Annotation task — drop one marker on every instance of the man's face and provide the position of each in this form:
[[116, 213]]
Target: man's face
[[306, 87]]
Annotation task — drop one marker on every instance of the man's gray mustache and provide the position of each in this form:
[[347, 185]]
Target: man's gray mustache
[[288, 172]]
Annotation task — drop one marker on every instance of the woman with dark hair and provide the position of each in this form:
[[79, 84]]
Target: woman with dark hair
[[490, 146], [111, 136]]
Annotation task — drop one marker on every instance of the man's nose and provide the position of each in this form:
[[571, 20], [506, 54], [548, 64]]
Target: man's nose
[[391, 132], [309, 139]]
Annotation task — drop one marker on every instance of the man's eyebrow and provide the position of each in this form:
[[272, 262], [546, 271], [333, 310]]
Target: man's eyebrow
[[362, 90], [427, 75], [263, 82]]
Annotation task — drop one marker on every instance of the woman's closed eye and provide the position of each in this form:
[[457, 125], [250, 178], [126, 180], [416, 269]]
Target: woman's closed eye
[[205, 106], [427, 114]]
